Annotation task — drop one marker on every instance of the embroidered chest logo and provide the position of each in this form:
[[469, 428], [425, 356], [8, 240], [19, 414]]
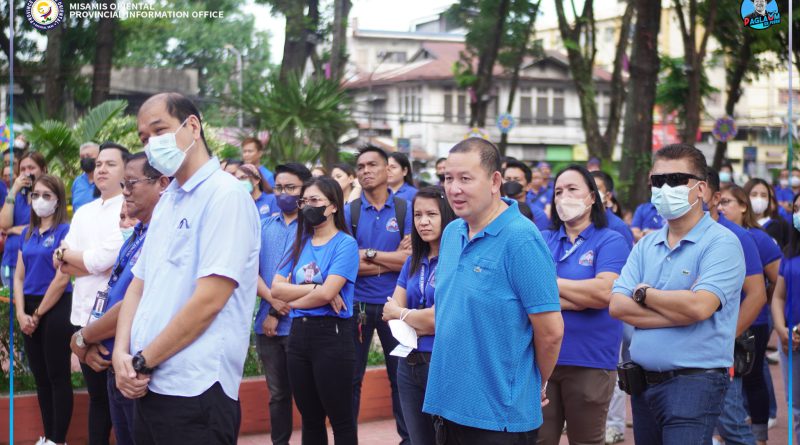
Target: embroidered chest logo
[[587, 259], [184, 224], [391, 225], [264, 209], [49, 241]]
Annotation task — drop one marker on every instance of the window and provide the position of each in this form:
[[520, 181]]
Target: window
[[609, 34], [525, 112], [558, 106], [462, 109], [542, 107], [783, 96], [448, 105], [603, 105]]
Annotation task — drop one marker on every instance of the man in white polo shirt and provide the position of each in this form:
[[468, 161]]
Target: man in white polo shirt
[[184, 325]]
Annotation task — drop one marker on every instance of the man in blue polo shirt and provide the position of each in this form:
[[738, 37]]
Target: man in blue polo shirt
[[540, 193], [519, 173], [496, 290], [83, 189], [605, 185], [680, 290], [272, 322], [383, 245], [94, 343]]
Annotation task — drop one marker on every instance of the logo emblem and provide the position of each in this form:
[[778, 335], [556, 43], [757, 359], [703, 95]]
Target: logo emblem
[[391, 225], [44, 14], [587, 259], [48, 242], [759, 14], [264, 209]]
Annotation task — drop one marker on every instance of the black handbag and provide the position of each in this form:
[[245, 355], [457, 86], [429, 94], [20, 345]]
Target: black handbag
[[744, 353]]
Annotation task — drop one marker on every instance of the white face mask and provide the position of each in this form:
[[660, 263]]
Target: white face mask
[[795, 181], [164, 154], [570, 209], [784, 182], [759, 205], [44, 208]]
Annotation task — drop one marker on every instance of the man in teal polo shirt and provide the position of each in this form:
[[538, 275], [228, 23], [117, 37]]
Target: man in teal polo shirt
[[495, 288]]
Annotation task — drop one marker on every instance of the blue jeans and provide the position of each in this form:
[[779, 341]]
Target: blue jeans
[[795, 387], [682, 410], [411, 382], [731, 424], [121, 412]]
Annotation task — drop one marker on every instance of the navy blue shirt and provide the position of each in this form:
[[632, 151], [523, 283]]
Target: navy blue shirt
[[37, 256], [646, 217], [407, 192], [539, 217], [768, 251], [379, 230], [3, 191], [22, 216], [790, 271], [616, 224], [82, 192], [595, 251], [539, 200], [277, 238], [420, 287]]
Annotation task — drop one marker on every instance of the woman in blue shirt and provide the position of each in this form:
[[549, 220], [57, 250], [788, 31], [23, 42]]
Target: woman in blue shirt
[[765, 208], [43, 301], [401, 176], [413, 302], [589, 257], [251, 181], [735, 204], [786, 311], [317, 280]]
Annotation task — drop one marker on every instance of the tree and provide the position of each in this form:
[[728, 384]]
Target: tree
[[693, 56], [24, 67], [300, 35], [338, 52], [581, 63], [103, 56], [674, 85], [637, 137]]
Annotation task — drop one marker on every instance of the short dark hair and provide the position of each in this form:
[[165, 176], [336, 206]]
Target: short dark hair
[[147, 169], [252, 140], [373, 149], [440, 160], [123, 151], [513, 163], [402, 159], [488, 152], [696, 158], [294, 168], [598, 215], [181, 107], [36, 157], [345, 167], [712, 178], [606, 178], [234, 162]]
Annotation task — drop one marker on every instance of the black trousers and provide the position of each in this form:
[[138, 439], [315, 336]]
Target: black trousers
[[211, 418], [321, 365], [99, 409], [49, 359], [451, 433], [754, 385]]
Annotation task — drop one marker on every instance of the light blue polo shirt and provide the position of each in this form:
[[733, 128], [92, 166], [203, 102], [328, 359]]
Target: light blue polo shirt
[[618, 225], [379, 230], [407, 192], [768, 252], [483, 371], [276, 239], [708, 258], [646, 217], [595, 251], [207, 226], [267, 174]]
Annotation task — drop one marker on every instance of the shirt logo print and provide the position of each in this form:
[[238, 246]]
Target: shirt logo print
[[264, 209], [587, 259], [391, 225], [49, 241], [184, 224]]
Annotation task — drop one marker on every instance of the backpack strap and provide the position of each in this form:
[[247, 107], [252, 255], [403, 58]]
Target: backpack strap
[[400, 207], [355, 215]]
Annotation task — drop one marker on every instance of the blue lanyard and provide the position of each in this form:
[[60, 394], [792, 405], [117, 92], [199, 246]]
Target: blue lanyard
[[424, 282], [133, 246], [572, 249]]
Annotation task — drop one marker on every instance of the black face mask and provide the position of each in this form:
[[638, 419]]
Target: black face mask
[[87, 165], [314, 216], [511, 188], [441, 178]]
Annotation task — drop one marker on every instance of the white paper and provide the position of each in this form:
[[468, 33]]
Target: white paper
[[404, 333], [401, 351]]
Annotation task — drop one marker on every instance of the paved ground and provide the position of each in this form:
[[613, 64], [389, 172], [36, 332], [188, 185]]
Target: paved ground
[[383, 432]]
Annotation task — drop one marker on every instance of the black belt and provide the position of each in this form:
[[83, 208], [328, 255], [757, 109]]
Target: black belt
[[418, 358], [655, 378]]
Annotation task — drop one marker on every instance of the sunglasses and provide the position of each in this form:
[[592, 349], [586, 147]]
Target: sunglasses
[[672, 179]]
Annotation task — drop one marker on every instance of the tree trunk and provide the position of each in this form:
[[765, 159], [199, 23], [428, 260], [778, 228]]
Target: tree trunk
[[734, 77], [103, 56], [486, 62], [294, 52], [54, 79], [637, 140], [338, 46], [617, 93]]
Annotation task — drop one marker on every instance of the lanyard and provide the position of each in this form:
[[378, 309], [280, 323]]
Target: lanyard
[[572, 249], [132, 247], [424, 282]]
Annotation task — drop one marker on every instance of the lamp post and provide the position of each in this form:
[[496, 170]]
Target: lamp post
[[238, 55]]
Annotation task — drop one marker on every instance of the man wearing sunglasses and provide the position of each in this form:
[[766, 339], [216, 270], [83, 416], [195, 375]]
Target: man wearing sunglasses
[[680, 290]]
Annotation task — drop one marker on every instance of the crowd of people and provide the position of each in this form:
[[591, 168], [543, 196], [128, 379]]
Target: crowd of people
[[512, 307]]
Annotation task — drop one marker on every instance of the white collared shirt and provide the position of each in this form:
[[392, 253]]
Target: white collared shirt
[[208, 226], [95, 231]]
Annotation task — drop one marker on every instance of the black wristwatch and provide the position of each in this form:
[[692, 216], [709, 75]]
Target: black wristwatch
[[274, 313], [370, 254], [640, 295], [140, 365]]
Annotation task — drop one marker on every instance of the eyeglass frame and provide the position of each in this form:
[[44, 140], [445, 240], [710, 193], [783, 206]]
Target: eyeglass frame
[[133, 182]]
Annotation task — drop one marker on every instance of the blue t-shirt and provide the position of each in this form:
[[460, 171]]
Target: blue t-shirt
[[707, 258], [539, 200], [646, 217], [616, 224], [595, 251], [768, 252], [783, 194], [339, 256], [22, 216], [420, 287], [790, 271], [37, 256], [407, 192], [484, 373], [785, 215], [266, 205], [752, 260], [267, 174], [379, 230], [3, 191], [82, 192], [276, 240]]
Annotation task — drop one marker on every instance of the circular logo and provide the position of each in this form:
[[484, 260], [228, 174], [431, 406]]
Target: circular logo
[[44, 14], [724, 129], [759, 14]]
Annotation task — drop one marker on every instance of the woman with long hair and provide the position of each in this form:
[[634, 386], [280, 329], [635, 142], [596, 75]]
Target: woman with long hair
[[413, 303], [766, 210], [317, 281], [735, 205], [401, 176], [43, 301], [345, 175]]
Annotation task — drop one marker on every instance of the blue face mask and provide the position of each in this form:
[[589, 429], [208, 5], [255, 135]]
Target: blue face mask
[[796, 221], [672, 202], [126, 233], [247, 185], [724, 177], [287, 202], [163, 152]]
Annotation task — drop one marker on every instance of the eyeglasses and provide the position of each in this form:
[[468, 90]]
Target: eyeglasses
[[313, 202], [128, 185], [290, 189], [673, 179], [46, 196], [725, 202]]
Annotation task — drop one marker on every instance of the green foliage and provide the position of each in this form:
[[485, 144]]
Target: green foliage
[[673, 86]]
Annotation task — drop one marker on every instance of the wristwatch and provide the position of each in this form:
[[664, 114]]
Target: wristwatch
[[371, 254], [60, 254], [274, 313], [140, 365], [79, 339], [640, 295]]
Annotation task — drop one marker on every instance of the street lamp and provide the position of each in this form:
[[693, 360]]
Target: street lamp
[[238, 54]]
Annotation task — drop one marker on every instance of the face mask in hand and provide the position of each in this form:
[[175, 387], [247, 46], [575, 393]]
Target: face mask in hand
[[44, 208], [672, 202], [314, 216], [570, 209], [163, 152]]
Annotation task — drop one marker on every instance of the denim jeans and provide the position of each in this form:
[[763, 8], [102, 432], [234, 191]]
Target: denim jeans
[[732, 425], [682, 410], [363, 340], [273, 354], [411, 382], [795, 387], [122, 410]]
